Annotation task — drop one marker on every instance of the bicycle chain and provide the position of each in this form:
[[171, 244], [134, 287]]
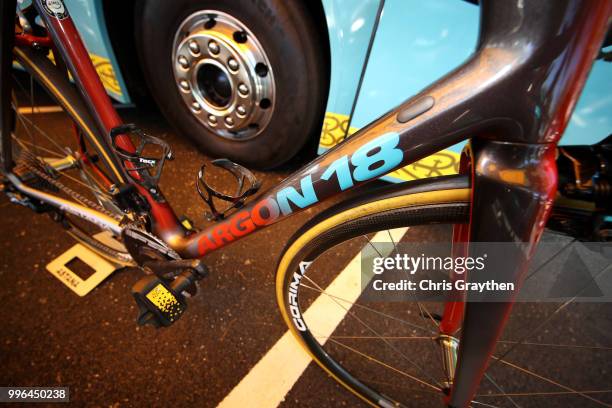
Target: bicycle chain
[[33, 164], [34, 168]]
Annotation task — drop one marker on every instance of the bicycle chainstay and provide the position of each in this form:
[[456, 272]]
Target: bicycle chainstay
[[135, 236]]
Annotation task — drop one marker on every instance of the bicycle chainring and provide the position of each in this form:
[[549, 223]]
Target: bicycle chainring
[[145, 247]]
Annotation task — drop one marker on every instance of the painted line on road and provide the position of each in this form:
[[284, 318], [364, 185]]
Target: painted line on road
[[269, 381]]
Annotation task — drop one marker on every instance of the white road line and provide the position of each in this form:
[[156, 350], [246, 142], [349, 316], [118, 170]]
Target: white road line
[[266, 385]]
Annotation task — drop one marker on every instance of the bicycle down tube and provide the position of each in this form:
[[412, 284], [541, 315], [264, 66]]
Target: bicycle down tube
[[512, 97]]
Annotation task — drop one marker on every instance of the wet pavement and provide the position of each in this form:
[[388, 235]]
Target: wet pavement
[[51, 337]]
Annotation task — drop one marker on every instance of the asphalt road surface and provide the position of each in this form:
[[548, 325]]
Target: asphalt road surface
[[51, 337]]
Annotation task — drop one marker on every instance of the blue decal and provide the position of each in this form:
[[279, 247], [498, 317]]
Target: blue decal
[[386, 155], [373, 159], [343, 172], [308, 196]]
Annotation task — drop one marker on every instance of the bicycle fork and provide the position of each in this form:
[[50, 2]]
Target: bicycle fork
[[512, 201], [514, 174]]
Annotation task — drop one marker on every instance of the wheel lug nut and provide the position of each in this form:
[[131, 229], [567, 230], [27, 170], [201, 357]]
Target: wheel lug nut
[[241, 110], [243, 89], [212, 119], [194, 47], [233, 64], [196, 106], [183, 62], [184, 84], [229, 121], [213, 47]]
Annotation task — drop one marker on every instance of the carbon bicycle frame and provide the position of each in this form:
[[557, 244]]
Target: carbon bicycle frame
[[513, 97]]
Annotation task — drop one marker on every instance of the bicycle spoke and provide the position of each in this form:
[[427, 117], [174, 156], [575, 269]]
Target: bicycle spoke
[[42, 132], [553, 314], [401, 387], [500, 389], [553, 345], [32, 105], [375, 360], [51, 152], [484, 405], [419, 304], [63, 173], [549, 380], [96, 188], [322, 291], [549, 260], [372, 245], [545, 393], [423, 311], [386, 342], [386, 337]]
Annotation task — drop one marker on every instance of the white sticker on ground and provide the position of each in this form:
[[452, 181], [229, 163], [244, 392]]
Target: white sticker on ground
[[266, 385]]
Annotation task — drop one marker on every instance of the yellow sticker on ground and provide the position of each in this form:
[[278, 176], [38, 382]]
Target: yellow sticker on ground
[[336, 129]]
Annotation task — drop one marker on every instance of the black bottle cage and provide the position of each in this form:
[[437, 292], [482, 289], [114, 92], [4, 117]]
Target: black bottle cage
[[149, 169], [237, 200]]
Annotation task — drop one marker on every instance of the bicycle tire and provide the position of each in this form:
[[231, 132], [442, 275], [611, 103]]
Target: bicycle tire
[[442, 200]]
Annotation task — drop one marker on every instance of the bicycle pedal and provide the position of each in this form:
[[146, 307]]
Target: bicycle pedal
[[145, 164], [247, 185], [161, 295]]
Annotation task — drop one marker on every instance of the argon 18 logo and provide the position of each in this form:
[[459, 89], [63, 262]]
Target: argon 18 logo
[[373, 159]]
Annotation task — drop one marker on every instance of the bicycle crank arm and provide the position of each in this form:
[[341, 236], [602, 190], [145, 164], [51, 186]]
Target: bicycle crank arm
[[96, 217]]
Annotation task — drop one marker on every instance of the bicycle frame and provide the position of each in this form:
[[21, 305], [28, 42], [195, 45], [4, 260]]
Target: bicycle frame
[[513, 98]]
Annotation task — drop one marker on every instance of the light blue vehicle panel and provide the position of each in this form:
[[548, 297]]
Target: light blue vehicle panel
[[350, 24], [415, 44], [89, 19], [592, 118]]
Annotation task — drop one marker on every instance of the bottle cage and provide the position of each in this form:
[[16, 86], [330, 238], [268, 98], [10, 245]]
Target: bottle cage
[[142, 170], [236, 200]]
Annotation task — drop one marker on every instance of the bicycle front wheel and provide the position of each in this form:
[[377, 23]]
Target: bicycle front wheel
[[363, 345], [393, 353]]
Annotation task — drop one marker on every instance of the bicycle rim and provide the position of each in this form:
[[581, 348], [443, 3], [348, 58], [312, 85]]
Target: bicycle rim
[[388, 353]]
